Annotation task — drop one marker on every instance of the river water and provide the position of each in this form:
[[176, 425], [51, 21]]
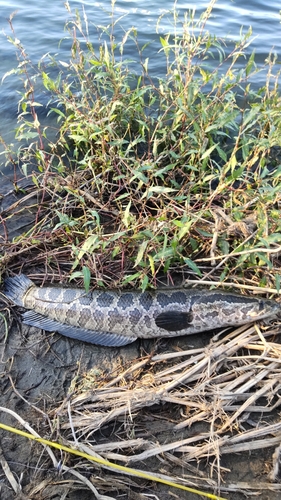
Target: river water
[[39, 25]]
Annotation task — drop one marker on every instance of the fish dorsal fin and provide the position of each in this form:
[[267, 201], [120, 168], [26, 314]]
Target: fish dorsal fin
[[173, 321], [93, 337]]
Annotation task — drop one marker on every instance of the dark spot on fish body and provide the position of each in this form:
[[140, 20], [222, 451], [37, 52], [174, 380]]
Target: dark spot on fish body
[[146, 300], [212, 314], [105, 299], [125, 300], [114, 318], [135, 315], [77, 315], [147, 321], [179, 297], [165, 299], [85, 300], [86, 316]]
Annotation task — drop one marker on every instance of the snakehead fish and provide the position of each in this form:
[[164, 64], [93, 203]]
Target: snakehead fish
[[117, 318]]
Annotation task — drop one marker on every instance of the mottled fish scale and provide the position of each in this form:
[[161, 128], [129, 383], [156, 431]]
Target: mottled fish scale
[[119, 317]]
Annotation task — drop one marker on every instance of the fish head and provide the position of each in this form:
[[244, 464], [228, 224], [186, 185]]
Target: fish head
[[218, 309], [239, 309]]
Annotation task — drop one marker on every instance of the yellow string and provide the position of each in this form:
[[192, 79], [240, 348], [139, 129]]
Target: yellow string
[[106, 463]]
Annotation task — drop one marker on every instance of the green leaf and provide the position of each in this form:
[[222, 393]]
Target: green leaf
[[193, 266], [144, 283], [141, 251], [90, 244], [208, 152], [131, 277], [263, 260], [185, 229], [271, 238], [158, 190], [145, 65], [11, 72], [250, 64], [76, 274], [127, 216], [94, 62], [87, 278], [151, 263], [164, 42]]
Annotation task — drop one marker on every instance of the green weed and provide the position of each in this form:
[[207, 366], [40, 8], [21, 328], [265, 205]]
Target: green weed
[[151, 175]]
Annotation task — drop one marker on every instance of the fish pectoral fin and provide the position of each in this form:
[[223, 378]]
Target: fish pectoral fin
[[173, 321], [93, 337]]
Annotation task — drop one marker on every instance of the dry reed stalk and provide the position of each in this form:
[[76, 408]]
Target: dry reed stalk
[[241, 286], [223, 386], [15, 485]]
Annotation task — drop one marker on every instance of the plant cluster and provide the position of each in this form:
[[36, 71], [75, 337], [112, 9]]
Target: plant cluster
[[147, 175]]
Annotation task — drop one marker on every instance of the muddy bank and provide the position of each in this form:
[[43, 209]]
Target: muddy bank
[[38, 371]]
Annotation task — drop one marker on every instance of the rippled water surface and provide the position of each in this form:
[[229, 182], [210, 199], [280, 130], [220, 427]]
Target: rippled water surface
[[39, 25]]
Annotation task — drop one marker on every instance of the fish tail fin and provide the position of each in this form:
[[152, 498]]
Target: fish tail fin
[[15, 288]]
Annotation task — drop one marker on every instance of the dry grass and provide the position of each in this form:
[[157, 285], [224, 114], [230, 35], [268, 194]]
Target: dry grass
[[185, 409]]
